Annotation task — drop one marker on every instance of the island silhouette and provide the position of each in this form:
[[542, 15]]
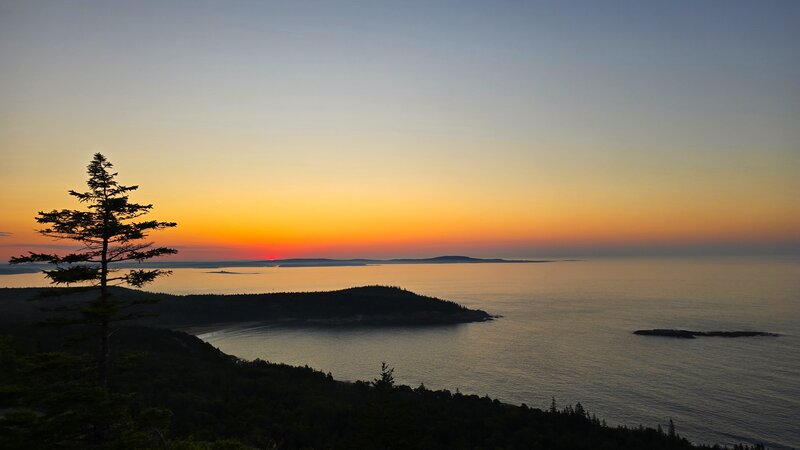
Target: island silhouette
[[288, 262], [687, 334]]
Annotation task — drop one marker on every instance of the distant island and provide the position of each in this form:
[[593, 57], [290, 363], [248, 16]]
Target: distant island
[[291, 262], [228, 272], [687, 334], [314, 262], [369, 305]]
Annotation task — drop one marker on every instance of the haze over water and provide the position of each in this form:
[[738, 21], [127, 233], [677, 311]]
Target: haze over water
[[565, 333]]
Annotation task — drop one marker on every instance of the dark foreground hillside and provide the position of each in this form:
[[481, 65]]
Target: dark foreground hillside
[[171, 390]]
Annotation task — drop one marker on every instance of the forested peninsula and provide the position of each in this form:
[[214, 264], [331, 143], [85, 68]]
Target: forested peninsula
[[368, 305]]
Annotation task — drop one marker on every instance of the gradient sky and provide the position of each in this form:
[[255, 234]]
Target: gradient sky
[[355, 129]]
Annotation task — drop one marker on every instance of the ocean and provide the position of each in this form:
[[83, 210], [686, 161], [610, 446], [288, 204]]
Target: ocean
[[565, 332]]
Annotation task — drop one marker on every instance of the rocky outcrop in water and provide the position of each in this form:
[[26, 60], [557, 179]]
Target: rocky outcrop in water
[[686, 334]]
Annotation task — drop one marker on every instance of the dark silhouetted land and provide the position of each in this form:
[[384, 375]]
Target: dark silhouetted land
[[370, 305], [213, 400], [686, 334], [292, 262], [172, 390]]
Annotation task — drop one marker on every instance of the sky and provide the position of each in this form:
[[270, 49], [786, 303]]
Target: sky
[[411, 129]]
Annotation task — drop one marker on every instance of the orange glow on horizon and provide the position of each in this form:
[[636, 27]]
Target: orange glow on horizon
[[309, 132]]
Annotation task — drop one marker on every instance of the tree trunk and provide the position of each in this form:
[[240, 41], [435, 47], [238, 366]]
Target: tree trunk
[[105, 347]]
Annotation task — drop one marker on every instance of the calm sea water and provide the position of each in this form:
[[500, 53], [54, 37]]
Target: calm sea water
[[565, 333]]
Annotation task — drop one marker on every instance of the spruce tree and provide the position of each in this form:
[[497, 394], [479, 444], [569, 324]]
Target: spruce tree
[[109, 230], [386, 381]]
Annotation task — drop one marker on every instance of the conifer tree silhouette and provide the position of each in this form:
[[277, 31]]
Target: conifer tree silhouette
[[108, 232]]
